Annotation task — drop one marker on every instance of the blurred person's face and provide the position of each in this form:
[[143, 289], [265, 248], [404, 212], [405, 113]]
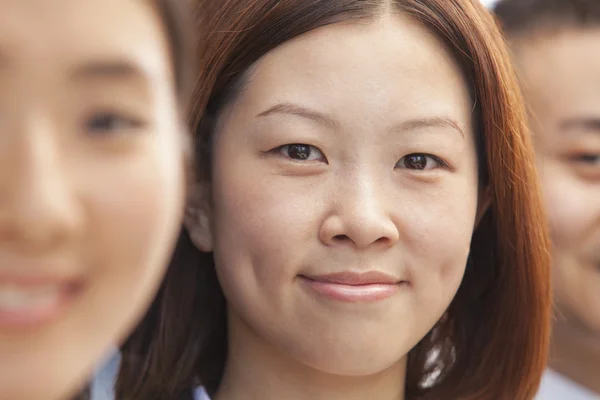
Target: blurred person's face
[[91, 184], [561, 73]]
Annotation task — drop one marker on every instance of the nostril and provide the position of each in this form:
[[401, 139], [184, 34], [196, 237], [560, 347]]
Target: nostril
[[383, 240], [341, 238]]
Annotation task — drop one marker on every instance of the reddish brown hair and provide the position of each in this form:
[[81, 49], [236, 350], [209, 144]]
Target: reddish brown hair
[[493, 339]]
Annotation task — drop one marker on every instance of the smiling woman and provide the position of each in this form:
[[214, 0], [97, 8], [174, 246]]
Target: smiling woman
[[92, 174], [367, 210]]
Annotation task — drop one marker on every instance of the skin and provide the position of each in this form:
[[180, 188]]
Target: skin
[[364, 96], [91, 183], [565, 116]]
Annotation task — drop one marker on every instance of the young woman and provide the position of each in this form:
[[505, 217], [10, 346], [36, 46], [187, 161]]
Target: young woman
[[92, 176], [556, 47], [367, 210]]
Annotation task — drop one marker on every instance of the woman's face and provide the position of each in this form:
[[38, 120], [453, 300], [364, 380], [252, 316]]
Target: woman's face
[[91, 184], [344, 195], [566, 123]]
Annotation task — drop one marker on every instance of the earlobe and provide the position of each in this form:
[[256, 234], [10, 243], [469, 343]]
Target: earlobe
[[197, 219], [484, 202]]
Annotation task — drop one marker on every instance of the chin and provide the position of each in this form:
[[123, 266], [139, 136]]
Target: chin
[[32, 390], [351, 360], [357, 367], [49, 371]]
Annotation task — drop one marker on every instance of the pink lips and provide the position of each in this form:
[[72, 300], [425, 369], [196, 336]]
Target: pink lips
[[29, 302], [354, 287]]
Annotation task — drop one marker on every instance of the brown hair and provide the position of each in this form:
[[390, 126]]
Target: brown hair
[[493, 340], [176, 18], [523, 17]]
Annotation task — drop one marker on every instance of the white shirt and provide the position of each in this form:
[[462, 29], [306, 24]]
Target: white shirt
[[558, 387], [554, 386], [104, 381]]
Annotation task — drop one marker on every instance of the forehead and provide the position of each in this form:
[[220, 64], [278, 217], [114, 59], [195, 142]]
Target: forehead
[[64, 31], [391, 65], [561, 71]]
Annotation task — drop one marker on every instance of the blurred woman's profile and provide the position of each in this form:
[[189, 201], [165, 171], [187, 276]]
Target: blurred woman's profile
[[556, 46], [92, 178]]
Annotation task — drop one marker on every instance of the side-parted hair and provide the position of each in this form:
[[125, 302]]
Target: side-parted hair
[[492, 342], [518, 17]]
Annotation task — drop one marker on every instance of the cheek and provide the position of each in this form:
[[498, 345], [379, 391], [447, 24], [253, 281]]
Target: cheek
[[262, 225], [437, 232], [135, 208], [570, 206], [437, 228]]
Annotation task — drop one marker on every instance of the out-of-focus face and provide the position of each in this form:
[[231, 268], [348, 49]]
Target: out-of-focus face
[[561, 73], [91, 184], [344, 196]]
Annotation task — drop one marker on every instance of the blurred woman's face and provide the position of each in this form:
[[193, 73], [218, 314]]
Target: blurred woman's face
[[566, 123], [91, 183]]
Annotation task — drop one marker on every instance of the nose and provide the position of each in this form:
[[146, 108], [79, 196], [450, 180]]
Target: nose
[[37, 208], [360, 216]]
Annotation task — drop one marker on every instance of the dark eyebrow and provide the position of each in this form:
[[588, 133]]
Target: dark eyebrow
[[433, 122], [116, 70], [300, 111], [581, 124]]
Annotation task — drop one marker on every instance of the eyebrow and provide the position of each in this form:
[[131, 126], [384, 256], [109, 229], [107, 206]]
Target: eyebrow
[[328, 121], [303, 112], [429, 122], [579, 124], [109, 69]]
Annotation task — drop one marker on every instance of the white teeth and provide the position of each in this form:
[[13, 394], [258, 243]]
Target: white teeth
[[14, 298]]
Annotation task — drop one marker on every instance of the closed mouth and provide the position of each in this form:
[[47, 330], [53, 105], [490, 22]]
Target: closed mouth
[[351, 278], [353, 287]]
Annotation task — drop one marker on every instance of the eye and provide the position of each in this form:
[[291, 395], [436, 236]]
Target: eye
[[301, 152], [591, 159], [420, 162], [109, 122]]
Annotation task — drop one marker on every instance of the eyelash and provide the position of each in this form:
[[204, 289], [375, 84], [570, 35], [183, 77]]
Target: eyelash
[[111, 122], [587, 158], [282, 150], [440, 163]]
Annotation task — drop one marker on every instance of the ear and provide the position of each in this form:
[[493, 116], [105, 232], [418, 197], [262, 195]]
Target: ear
[[484, 201], [197, 217]]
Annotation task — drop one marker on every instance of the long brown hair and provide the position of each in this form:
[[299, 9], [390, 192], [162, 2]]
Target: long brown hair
[[492, 342]]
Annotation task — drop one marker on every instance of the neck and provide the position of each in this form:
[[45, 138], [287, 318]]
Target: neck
[[576, 355], [257, 371]]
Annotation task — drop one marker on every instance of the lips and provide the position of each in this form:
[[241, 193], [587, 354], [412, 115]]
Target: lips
[[354, 287], [14, 298], [31, 302]]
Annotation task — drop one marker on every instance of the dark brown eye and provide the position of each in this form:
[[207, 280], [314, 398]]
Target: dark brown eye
[[299, 151], [302, 152], [593, 159], [102, 123], [418, 161]]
